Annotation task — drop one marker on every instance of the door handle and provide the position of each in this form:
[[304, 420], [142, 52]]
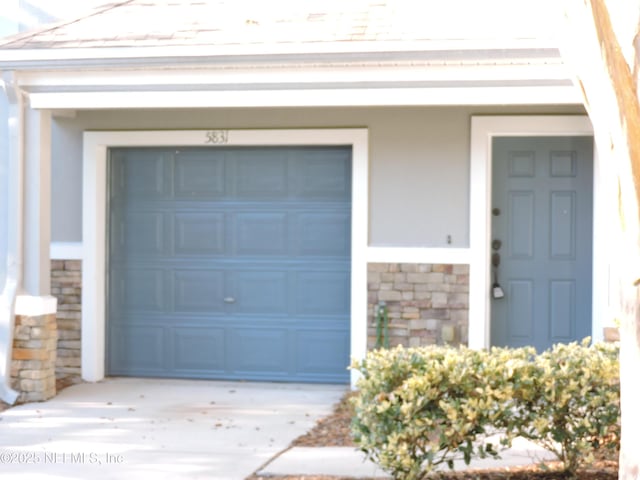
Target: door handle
[[229, 300], [496, 290]]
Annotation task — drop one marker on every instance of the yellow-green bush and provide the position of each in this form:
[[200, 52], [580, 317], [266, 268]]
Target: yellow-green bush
[[421, 407], [572, 407]]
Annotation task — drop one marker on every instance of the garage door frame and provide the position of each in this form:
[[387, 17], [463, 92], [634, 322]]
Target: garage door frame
[[94, 215]]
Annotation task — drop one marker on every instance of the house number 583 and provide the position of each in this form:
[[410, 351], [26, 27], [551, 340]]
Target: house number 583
[[217, 137]]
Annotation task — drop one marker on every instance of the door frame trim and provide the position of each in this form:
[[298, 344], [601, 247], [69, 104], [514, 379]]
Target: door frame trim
[[94, 217], [483, 129]]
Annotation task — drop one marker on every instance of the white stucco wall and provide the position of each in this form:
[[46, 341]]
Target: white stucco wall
[[419, 161]]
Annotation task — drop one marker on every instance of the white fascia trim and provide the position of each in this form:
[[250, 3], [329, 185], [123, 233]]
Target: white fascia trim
[[253, 50], [454, 256], [96, 145], [66, 250], [483, 129], [542, 95], [283, 74]]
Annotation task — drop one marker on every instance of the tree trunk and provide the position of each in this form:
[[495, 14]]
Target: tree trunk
[[609, 85]]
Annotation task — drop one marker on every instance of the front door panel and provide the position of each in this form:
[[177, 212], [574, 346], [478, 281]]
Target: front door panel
[[542, 215]]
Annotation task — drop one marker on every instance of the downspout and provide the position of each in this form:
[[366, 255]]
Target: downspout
[[14, 232]]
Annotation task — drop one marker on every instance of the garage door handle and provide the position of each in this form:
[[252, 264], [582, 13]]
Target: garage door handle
[[229, 300]]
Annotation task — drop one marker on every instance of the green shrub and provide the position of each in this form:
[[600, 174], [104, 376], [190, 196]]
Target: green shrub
[[573, 406], [421, 407]]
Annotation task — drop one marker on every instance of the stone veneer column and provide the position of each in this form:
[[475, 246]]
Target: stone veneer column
[[33, 367], [427, 303]]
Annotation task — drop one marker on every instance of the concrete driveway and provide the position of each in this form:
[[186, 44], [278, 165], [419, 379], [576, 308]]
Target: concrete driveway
[[158, 429]]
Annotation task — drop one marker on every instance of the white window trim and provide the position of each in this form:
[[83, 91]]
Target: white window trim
[[96, 145], [483, 129]]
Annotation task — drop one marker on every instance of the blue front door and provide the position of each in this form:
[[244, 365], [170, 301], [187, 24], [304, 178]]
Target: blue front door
[[542, 238], [230, 263]]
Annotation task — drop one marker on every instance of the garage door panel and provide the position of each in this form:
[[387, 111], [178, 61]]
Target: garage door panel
[[137, 290], [142, 175], [199, 291], [322, 293], [199, 174], [324, 233], [257, 350], [324, 174], [260, 292], [137, 348], [199, 233], [261, 174], [140, 233], [199, 349], [323, 352], [261, 233]]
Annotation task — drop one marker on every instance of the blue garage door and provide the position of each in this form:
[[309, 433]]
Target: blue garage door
[[230, 263]]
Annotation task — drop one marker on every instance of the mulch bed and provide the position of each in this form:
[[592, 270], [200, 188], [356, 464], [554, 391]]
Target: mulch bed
[[331, 431], [514, 474], [334, 431]]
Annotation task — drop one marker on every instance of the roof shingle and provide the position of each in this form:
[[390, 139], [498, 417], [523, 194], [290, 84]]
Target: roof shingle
[[162, 23]]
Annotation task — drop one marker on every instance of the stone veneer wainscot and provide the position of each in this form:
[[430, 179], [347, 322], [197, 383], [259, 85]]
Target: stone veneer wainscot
[[66, 286], [427, 303]]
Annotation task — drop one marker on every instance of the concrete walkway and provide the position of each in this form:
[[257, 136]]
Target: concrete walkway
[[349, 462], [158, 429]]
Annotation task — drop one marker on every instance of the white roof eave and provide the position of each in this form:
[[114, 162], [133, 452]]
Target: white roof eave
[[157, 99], [347, 74], [127, 56]]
